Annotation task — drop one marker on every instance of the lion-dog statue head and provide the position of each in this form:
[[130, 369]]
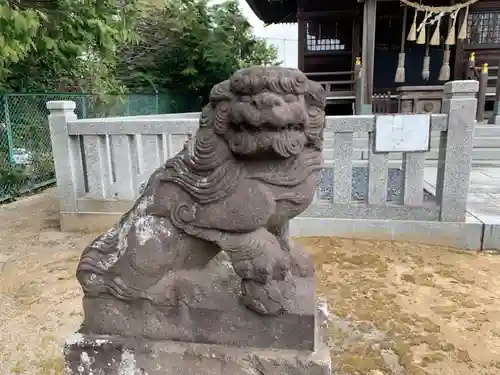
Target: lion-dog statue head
[[263, 111]]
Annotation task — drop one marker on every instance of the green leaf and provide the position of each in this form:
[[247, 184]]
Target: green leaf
[[190, 71], [49, 43]]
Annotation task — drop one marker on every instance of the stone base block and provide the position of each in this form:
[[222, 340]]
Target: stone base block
[[118, 355], [111, 355], [207, 310], [220, 319]]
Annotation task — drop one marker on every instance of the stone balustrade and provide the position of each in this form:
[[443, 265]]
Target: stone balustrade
[[101, 163]]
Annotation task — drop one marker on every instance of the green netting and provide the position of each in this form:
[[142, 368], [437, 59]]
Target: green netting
[[26, 160]]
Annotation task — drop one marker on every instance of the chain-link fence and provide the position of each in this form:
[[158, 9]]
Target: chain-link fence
[[26, 161]]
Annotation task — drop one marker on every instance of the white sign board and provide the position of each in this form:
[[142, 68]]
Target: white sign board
[[402, 133]]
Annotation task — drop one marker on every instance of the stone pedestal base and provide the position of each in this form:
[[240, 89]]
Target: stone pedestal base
[[210, 312], [115, 355]]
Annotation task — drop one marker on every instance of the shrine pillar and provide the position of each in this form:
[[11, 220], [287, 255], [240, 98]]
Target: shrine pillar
[[368, 53]]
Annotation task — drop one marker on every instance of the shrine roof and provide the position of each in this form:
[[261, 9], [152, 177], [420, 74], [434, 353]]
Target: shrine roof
[[275, 11]]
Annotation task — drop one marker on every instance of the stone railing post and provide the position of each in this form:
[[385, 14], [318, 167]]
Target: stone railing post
[[455, 149], [66, 151]]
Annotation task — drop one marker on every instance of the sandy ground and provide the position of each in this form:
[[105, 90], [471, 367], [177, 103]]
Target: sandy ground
[[395, 308]]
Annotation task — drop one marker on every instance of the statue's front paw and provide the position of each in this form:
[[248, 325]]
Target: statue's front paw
[[271, 298], [282, 264], [284, 243], [259, 269], [302, 263], [264, 267]]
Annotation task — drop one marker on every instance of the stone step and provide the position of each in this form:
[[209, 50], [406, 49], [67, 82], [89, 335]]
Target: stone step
[[329, 163], [483, 130], [364, 135], [486, 142], [477, 153], [479, 142], [487, 131]]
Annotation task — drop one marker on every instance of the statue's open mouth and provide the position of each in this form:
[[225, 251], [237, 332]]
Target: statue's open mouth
[[267, 128]]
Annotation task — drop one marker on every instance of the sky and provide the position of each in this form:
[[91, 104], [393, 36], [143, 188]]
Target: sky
[[283, 37]]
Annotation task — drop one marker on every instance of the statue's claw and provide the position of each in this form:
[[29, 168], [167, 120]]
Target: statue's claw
[[271, 298]]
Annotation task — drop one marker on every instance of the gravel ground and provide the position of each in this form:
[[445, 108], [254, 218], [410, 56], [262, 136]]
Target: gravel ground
[[395, 308]]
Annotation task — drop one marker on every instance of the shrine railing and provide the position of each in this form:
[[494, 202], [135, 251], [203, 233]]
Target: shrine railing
[[487, 76], [101, 163]]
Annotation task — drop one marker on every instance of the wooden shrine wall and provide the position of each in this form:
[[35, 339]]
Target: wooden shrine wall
[[483, 37]]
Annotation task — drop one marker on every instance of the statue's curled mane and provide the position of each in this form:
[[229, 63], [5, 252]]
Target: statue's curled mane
[[209, 169]]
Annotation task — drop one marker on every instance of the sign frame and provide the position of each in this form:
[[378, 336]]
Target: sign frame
[[397, 133]]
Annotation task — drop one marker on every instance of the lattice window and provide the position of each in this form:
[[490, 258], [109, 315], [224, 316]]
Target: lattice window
[[328, 35], [484, 27]]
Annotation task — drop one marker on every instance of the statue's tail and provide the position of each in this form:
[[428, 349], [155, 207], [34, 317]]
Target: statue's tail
[[95, 270]]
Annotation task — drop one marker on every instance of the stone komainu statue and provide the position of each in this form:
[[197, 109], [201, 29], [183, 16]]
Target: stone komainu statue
[[251, 167]]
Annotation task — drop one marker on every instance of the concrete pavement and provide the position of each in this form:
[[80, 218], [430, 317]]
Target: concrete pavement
[[483, 200]]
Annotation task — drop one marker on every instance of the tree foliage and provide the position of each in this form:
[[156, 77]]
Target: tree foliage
[[112, 45], [181, 47], [189, 45], [45, 44]]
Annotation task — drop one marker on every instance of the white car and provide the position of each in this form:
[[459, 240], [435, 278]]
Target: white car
[[21, 156]]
